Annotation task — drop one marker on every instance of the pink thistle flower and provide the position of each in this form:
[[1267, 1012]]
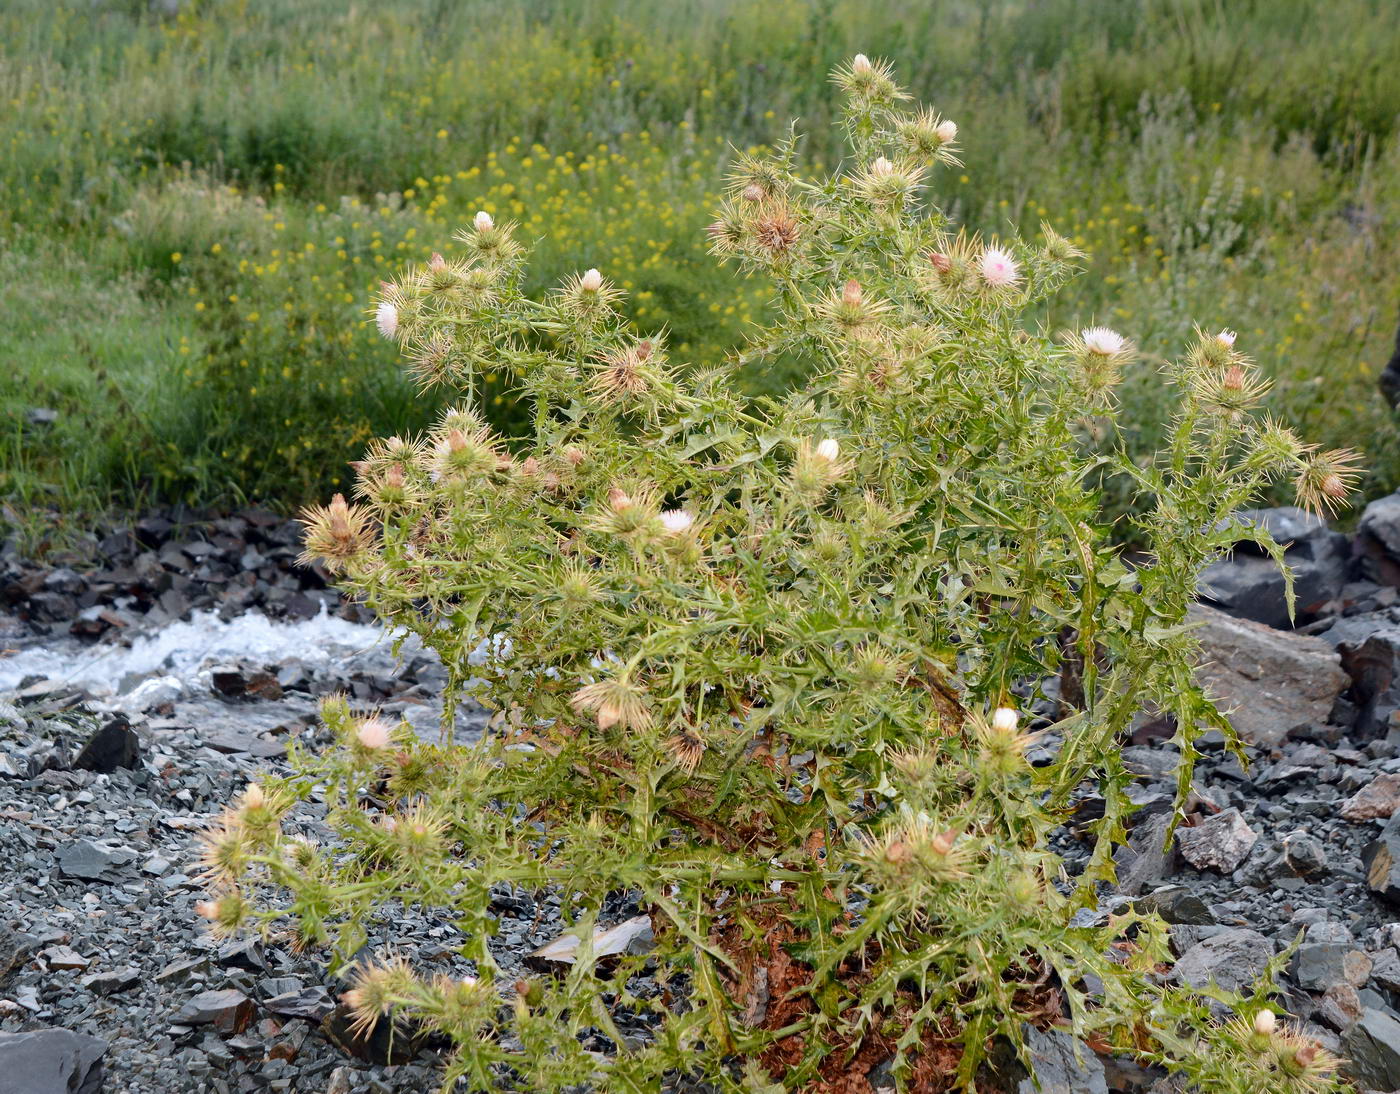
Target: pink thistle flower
[[999, 269], [373, 733]]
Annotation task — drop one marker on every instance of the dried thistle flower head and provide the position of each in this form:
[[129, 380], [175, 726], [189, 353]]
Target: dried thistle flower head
[[614, 701], [337, 535], [775, 232]]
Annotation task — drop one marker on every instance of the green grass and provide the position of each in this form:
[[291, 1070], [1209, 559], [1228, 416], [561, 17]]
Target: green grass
[[194, 210]]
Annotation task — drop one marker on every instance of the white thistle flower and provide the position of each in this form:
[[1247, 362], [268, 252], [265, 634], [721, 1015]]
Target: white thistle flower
[[881, 167], [1227, 339], [860, 63], [1103, 341], [483, 221], [999, 269], [946, 132], [373, 733], [386, 318], [1265, 1022], [591, 281], [1004, 720], [676, 521], [829, 450]]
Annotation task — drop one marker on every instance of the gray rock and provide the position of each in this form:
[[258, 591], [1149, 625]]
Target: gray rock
[[1178, 905], [111, 981], [1234, 958], [228, 1010], [1270, 683], [1325, 959], [87, 861], [1381, 859], [1372, 1048], [1304, 854], [51, 1061], [1143, 864], [1369, 648], [1385, 969], [1057, 1069], [1378, 539], [1377, 800], [1220, 843], [312, 1003]]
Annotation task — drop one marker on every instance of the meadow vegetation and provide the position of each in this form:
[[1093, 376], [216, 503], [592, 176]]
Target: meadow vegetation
[[196, 208]]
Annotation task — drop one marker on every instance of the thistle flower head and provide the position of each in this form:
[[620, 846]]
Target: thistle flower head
[[1056, 247], [589, 295], [386, 318], [225, 914], [1103, 341], [774, 232], [627, 373], [676, 521], [888, 185], [687, 746], [929, 138], [614, 701], [1326, 479], [337, 535], [1004, 720], [482, 222], [999, 270], [373, 733], [852, 311], [868, 83]]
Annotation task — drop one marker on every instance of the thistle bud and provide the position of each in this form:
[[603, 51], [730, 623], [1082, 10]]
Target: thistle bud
[[830, 450], [608, 716], [947, 131], [942, 843], [1265, 1022], [483, 222], [1004, 720], [619, 500], [940, 262], [753, 192], [1234, 379], [574, 455], [437, 263], [591, 281], [860, 64], [881, 166], [851, 294]]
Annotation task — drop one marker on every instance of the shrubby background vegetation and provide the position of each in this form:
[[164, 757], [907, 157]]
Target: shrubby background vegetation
[[196, 208]]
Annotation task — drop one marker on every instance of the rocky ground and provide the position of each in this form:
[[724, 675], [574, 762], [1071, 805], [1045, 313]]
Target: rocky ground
[[147, 683]]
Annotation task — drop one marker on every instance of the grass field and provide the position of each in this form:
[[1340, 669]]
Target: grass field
[[195, 207]]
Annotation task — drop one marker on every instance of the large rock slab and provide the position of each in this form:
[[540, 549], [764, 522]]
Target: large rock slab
[[1369, 648], [1378, 539], [51, 1061], [1270, 683], [1234, 958], [1250, 585], [1372, 1050]]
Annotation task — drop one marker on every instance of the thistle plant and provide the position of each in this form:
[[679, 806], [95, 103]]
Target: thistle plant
[[777, 669]]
